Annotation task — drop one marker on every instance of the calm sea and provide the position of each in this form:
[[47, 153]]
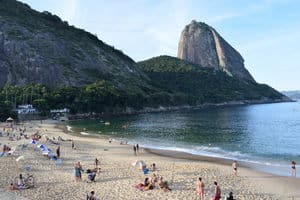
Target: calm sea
[[266, 136]]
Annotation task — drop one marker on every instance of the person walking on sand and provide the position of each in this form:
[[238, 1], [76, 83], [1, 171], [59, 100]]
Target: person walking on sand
[[217, 192], [234, 167], [200, 188], [293, 168], [134, 150]]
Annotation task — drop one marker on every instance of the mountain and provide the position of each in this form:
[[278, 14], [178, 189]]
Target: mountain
[[47, 63], [193, 84], [40, 48], [295, 94], [201, 44]]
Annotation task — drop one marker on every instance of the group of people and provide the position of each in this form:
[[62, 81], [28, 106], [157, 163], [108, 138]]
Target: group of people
[[153, 182], [217, 191], [91, 173]]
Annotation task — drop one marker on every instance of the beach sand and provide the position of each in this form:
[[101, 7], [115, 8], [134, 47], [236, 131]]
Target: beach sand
[[118, 176]]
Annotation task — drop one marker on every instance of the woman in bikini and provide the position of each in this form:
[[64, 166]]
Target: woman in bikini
[[200, 188]]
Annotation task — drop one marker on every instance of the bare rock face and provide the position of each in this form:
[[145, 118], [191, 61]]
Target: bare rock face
[[41, 48], [202, 45]]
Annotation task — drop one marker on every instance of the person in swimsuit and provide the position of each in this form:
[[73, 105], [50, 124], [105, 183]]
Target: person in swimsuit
[[217, 192], [293, 168], [234, 168], [200, 188]]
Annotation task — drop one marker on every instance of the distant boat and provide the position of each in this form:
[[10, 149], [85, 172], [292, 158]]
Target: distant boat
[[106, 123]]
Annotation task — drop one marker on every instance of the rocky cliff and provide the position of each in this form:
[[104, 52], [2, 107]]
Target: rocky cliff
[[202, 45], [41, 48]]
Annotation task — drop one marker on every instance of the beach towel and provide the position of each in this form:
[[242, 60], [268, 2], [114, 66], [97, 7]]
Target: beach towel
[[20, 158], [33, 142]]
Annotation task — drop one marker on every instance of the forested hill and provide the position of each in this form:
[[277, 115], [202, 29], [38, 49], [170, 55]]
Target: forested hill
[[194, 84], [40, 48], [52, 65]]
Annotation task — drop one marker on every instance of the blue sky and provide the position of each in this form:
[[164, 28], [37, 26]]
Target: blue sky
[[265, 32]]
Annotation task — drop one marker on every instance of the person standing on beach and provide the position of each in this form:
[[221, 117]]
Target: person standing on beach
[[293, 168], [200, 188], [58, 151], [217, 192], [137, 148], [134, 150], [234, 167], [73, 145], [77, 171]]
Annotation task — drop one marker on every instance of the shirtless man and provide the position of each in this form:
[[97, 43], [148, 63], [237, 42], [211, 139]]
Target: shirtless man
[[200, 188]]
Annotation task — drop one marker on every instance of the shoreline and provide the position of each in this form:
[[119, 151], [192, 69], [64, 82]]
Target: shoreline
[[257, 174], [118, 177], [275, 168], [159, 109]]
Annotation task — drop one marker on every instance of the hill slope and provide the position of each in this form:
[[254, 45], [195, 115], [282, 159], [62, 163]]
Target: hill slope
[[196, 85], [40, 48]]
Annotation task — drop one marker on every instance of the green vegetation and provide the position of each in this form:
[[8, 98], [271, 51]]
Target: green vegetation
[[173, 82], [99, 77], [192, 84]]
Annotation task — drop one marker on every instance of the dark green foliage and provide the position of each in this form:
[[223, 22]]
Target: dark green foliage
[[191, 84]]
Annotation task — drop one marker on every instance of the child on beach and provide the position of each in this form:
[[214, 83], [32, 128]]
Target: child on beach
[[200, 188]]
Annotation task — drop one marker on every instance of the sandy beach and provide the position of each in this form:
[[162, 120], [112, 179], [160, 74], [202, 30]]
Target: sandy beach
[[118, 176]]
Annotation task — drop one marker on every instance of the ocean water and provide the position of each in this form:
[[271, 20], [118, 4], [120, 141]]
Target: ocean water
[[265, 136]]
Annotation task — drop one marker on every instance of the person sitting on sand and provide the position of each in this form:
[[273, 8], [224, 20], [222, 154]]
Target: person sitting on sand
[[217, 192], [21, 182], [200, 188], [153, 179], [293, 168], [92, 196], [91, 175], [153, 167], [230, 196], [163, 184], [12, 187], [148, 185]]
